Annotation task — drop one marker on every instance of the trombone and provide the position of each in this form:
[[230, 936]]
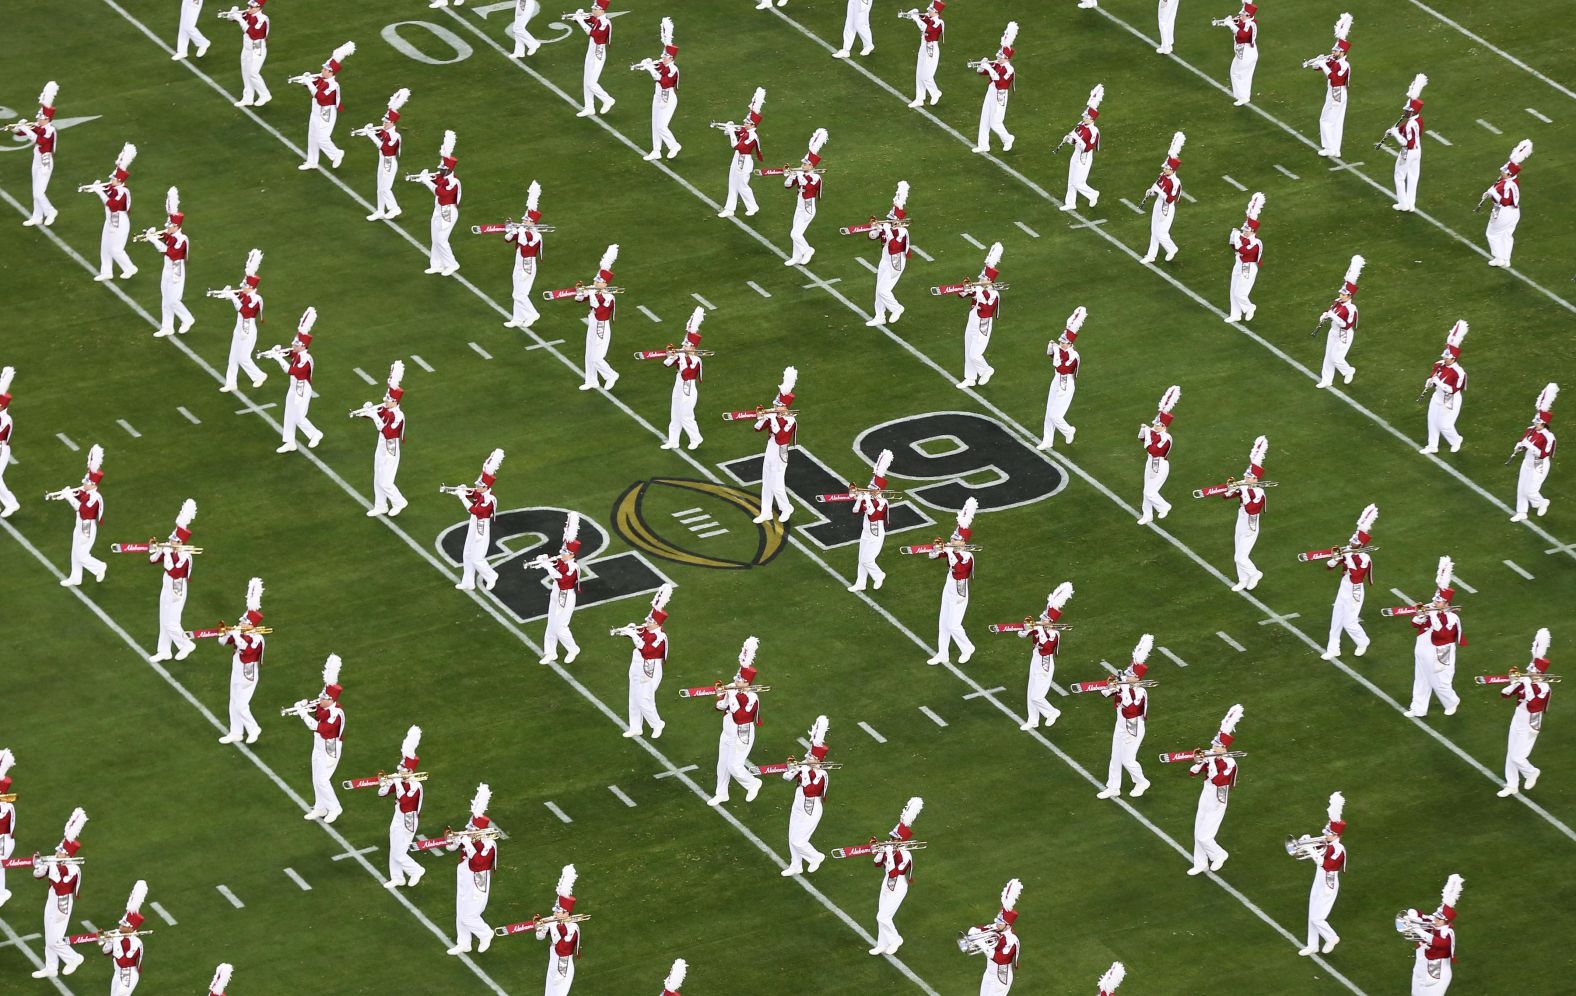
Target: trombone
[[1514, 676], [8, 797], [382, 779]]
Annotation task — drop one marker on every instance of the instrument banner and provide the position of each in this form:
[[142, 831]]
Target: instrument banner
[[361, 783], [525, 926], [748, 416], [560, 293], [859, 229], [1090, 686], [1400, 611], [1016, 627], [857, 851], [204, 634], [1216, 489], [947, 289], [654, 354], [488, 229], [772, 171], [928, 547], [1312, 555], [834, 499], [1497, 679], [130, 547], [768, 769], [706, 692], [16, 863], [429, 845], [1177, 757]]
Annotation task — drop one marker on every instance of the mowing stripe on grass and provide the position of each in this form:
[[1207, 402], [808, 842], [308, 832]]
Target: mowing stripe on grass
[[291, 874], [224, 890], [932, 716], [552, 807], [618, 794], [1513, 566], [20, 943]]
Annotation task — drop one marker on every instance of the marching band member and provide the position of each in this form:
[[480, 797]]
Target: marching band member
[[1505, 195], [248, 313], [41, 135], [1356, 566], [408, 795], [125, 948], [116, 198], [897, 873], [664, 72], [646, 659], [445, 187], [388, 418], [473, 875], [326, 105], [254, 26], [525, 43], [1329, 857], [299, 367], [480, 505], [188, 33], [1166, 23], [856, 20], [1155, 437], [1064, 381], [8, 502], [1408, 133], [1166, 190], [1337, 77], [806, 183], [1446, 383], [1131, 701], [809, 797], [1047, 643], [246, 664], [955, 591], [745, 141], [176, 566], [563, 575], [599, 31], [602, 308], [1342, 316], [984, 301], [221, 979], [1000, 74], [675, 977], [64, 880], [999, 944], [87, 505], [1439, 632], [932, 32], [528, 240], [892, 233], [1537, 443], [1531, 693], [7, 819], [387, 139], [781, 425], [1085, 140], [562, 933], [687, 367], [172, 243], [1245, 51], [1117, 972], [1220, 777], [1251, 498], [326, 720], [1435, 938], [1249, 252], [872, 507], [741, 714]]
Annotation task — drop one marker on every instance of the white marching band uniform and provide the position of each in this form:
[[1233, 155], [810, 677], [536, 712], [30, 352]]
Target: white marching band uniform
[[1531, 695], [1046, 643], [299, 369], [807, 186], [254, 27], [688, 369], [1156, 441], [327, 723], [115, 195], [897, 874], [741, 714], [525, 43], [175, 247], [781, 431], [955, 588], [1244, 30], [601, 310], [1343, 317], [7, 820], [63, 884], [932, 32], [1085, 142], [1356, 569], [856, 21], [323, 88], [894, 239], [388, 419], [1000, 76], [1537, 445], [873, 511], [480, 507], [42, 136], [1251, 500], [1131, 703], [999, 945], [246, 665], [408, 797], [188, 33], [1434, 657], [664, 73], [1219, 774], [1433, 962], [125, 949], [1167, 191], [1337, 72], [248, 305], [1165, 24], [473, 875], [388, 141], [745, 143], [563, 937], [175, 567], [1408, 135], [1505, 196], [646, 660], [809, 800], [446, 192], [1447, 381], [563, 586], [87, 511], [1065, 363], [1249, 256], [8, 502], [984, 301], [598, 28], [1329, 862]]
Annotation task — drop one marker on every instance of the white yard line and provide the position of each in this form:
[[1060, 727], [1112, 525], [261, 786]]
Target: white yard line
[[1283, 171], [1031, 233], [929, 713], [354, 852], [865, 263], [295, 877], [73, 447], [1519, 570], [1436, 136], [971, 240], [1234, 183], [21, 945], [878, 738], [619, 794], [647, 312], [1188, 197], [714, 532], [1233, 644], [224, 890], [480, 351], [1403, 596], [133, 433], [1491, 128], [978, 693], [703, 302], [544, 344], [194, 420], [1541, 117], [1276, 619], [1091, 223], [1130, 205], [366, 378], [1173, 658], [757, 288], [1497, 51], [552, 807], [677, 772], [422, 363], [922, 254], [163, 913], [1463, 585]]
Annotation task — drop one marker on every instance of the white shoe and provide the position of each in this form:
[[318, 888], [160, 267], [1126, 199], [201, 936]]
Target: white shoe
[[1429, 449], [1346, 378], [128, 274], [696, 444], [451, 271], [986, 379], [312, 443], [307, 166], [1409, 714], [430, 270], [286, 448], [1239, 586], [1215, 866], [894, 316], [1305, 952], [875, 323], [752, 212], [789, 872], [392, 884], [31, 223], [397, 509], [878, 950], [44, 973], [938, 659], [610, 382], [814, 865], [1139, 789], [963, 658], [1506, 792], [569, 658], [1108, 793], [586, 113], [253, 738], [1321, 385], [375, 216], [1456, 446], [163, 333], [1171, 255], [967, 382], [161, 656], [1233, 318], [456, 950], [1397, 207], [1519, 517], [917, 102], [1498, 262], [1543, 509], [1329, 655], [762, 518], [1145, 519], [867, 50], [339, 160], [1045, 444], [1330, 945], [230, 738], [416, 877], [530, 49], [674, 151], [754, 791], [1238, 103], [1530, 782], [1006, 145], [185, 326], [725, 213], [1196, 870], [588, 387], [1147, 259], [1069, 206], [392, 214], [313, 814], [609, 105], [1027, 726], [630, 734], [375, 511], [518, 53], [185, 653], [331, 817], [656, 731], [980, 149], [103, 277], [98, 576], [652, 156], [856, 587], [202, 50], [548, 659], [1054, 717], [841, 53], [1452, 710], [462, 586], [716, 800], [49, 219], [1094, 198], [265, 100]]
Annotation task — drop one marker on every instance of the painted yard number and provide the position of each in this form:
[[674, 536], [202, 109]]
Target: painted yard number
[[459, 49]]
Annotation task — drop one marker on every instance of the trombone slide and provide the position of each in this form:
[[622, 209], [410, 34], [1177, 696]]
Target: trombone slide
[[213, 631], [527, 926], [863, 850], [777, 769], [946, 290], [1188, 756], [1018, 627], [928, 547], [1482, 679], [1080, 687], [871, 225], [380, 780], [153, 548], [1230, 487], [1315, 555], [712, 691], [785, 170], [100, 935], [662, 354]]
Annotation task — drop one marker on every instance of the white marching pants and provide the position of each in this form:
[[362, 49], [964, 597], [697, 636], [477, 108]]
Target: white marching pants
[[385, 203], [560, 612], [993, 118], [1247, 534], [191, 10], [243, 345], [320, 135], [664, 104], [298, 399], [1124, 753], [1502, 233], [925, 72], [242, 722], [172, 601], [1057, 400], [112, 245], [1042, 672], [774, 481], [172, 285], [803, 214], [469, 905], [888, 272], [590, 84], [440, 257], [1430, 978], [1337, 343], [524, 10], [478, 539], [643, 694], [324, 799], [872, 537], [253, 55], [43, 169], [1243, 277], [1529, 483], [1346, 616], [949, 625], [385, 468], [57, 923], [857, 21], [7, 499], [1156, 470], [1442, 414], [801, 826], [681, 412], [1408, 167], [1321, 900], [1160, 218], [1166, 21], [524, 313], [1078, 167], [976, 338], [733, 761], [1244, 61], [740, 169], [83, 535], [599, 336], [1206, 826], [560, 975], [1518, 751], [1332, 120], [893, 892], [402, 867], [1429, 677]]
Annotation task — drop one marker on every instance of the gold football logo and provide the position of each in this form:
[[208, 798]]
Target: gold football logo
[[632, 521]]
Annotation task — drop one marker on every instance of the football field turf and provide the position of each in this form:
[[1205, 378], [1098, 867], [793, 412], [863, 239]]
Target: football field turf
[[299, 907]]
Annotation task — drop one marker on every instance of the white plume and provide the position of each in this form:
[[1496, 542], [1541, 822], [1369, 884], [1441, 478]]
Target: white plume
[[1096, 96], [1540, 648], [254, 261], [172, 201], [128, 153], [971, 505], [747, 652], [96, 457], [398, 98], [1444, 572], [911, 811], [1546, 397], [1169, 399], [343, 52], [818, 731], [533, 196], [221, 979], [680, 967], [139, 893], [571, 526], [1343, 26], [7, 759], [1452, 891], [665, 31], [790, 380], [481, 800], [758, 100], [883, 461], [696, 317], [411, 742], [1416, 89], [1010, 894], [6, 374], [1355, 269], [566, 881], [1233, 717], [1059, 595], [188, 512], [1261, 449], [659, 601], [1177, 141], [1457, 334], [609, 257], [447, 148], [308, 320], [1365, 521], [993, 255], [396, 373], [74, 825], [331, 670], [1076, 319], [1146, 643], [46, 96], [1255, 205], [1010, 35], [493, 462], [817, 140], [900, 199], [1337, 806], [1523, 149], [1113, 977]]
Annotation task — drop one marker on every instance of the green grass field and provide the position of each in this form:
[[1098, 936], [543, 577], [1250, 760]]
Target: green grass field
[[93, 724]]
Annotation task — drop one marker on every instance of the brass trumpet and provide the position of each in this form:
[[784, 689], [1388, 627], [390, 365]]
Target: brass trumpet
[[364, 411], [147, 235], [58, 495], [292, 710], [303, 77], [224, 291], [980, 63], [725, 125], [91, 188], [8, 797], [279, 352], [421, 177]]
